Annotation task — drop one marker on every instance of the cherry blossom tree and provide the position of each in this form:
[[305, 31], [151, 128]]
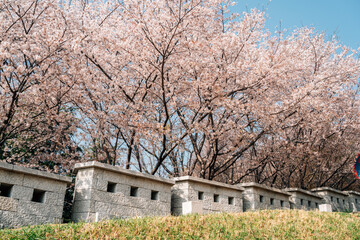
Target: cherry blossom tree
[[178, 88], [315, 143], [35, 119], [183, 87]]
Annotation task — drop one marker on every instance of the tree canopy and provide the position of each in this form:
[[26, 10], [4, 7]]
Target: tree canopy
[[176, 88]]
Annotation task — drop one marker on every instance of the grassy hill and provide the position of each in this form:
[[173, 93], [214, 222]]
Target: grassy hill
[[277, 224]]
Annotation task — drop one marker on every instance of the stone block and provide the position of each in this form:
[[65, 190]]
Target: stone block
[[56, 212], [21, 192], [176, 202], [6, 166], [11, 177], [100, 196], [10, 219], [14, 220], [192, 207], [182, 194], [44, 184], [84, 217], [144, 193], [84, 179], [43, 174], [131, 178], [165, 197], [123, 188], [325, 207], [54, 198], [34, 208], [108, 210], [102, 184], [83, 206], [8, 204], [48, 220], [176, 211], [83, 194]]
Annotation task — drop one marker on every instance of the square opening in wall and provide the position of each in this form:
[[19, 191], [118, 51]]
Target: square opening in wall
[[356, 201], [38, 196], [261, 198], [216, 197], [5, 189], [154, 195], [271, 201], [302, 201], [316, 205], [111, 187], [231, 200], [343, 202], [338, 201], [281, 203], [134, 191], [200, 195], [309, 203], [332, 199]]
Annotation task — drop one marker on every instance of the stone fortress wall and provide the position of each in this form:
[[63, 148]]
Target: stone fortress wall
[[196, 195], [337, 199], [354, 201], [30, 197], [102, 191], [257, 196], [302, 199]]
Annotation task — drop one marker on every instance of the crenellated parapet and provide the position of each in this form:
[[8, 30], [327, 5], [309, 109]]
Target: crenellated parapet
[[102, 191]]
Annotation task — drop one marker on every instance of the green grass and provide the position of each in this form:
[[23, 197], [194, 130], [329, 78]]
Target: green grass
[[277, 224]]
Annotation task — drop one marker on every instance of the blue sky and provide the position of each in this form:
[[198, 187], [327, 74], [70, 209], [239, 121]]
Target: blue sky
[[341, 17]]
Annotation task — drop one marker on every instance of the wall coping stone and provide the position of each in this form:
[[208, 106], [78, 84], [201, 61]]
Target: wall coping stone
[[352, 192], [302, 191], [257, 185], [34, 172], [118, 169], [329, 189], [208, 182]]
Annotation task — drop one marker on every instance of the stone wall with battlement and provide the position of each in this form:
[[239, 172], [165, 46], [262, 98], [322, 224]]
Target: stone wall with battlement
[[354, 201], [213, 196], [30, 197], [338, 200], [103, 192], [302, 199], [257, 196]]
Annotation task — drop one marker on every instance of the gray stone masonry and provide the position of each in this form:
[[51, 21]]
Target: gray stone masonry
[[30, 197], [192, 207], [325, 207], [33, 197], [354, 200], [302, 199], [214, 196], [257, 196], [104, 191], [337, 199]]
